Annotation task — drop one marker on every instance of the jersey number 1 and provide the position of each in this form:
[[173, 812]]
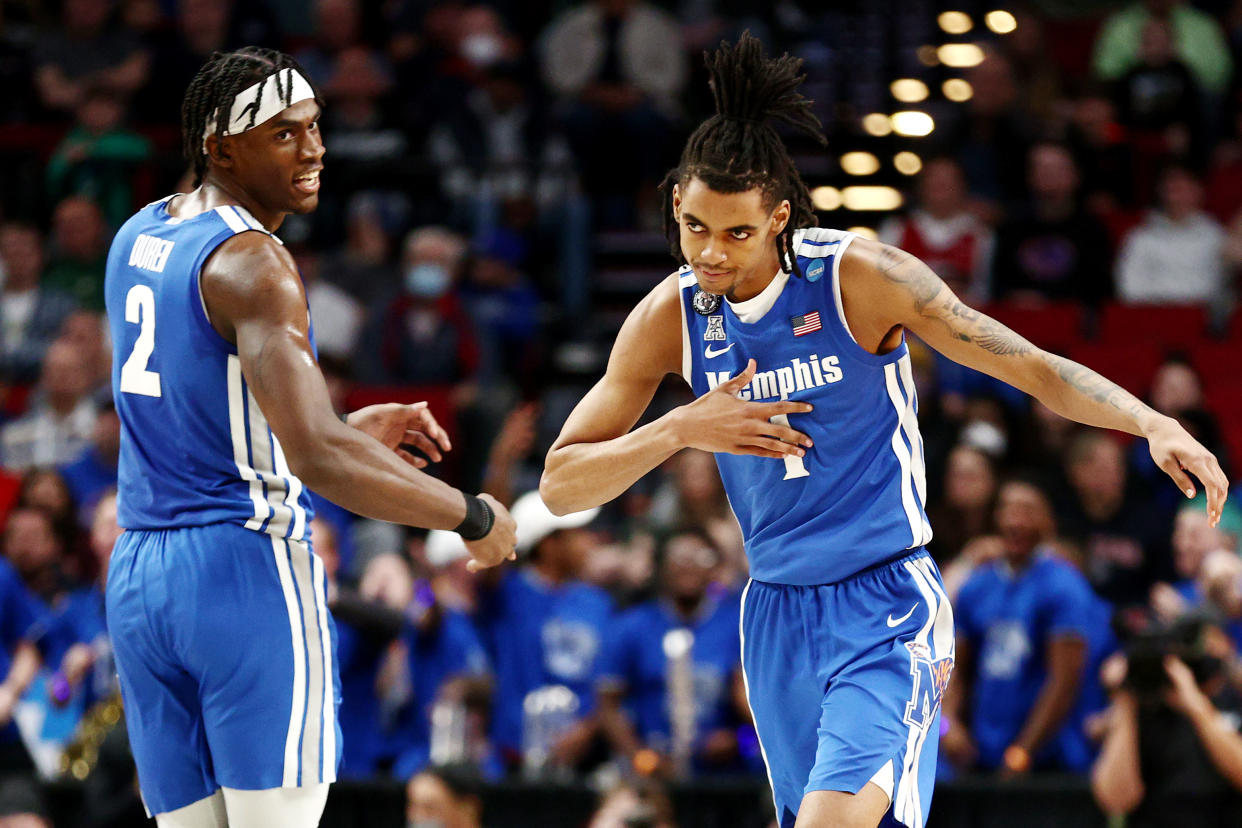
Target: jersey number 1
[[140, 310], [794, 467]]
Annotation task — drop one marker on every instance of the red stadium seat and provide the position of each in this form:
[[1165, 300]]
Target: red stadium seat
[[1225, 402], [1172, 326], [1218, 363], [1129, 364], [439, 399], [1056, 325]]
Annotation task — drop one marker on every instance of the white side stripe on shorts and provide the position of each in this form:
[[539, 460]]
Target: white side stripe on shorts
[[328, 727], [312, 722], [936, 635], [741, 626], [297, 711]]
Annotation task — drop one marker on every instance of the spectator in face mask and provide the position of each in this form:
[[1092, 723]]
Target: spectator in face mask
[[425, 335]]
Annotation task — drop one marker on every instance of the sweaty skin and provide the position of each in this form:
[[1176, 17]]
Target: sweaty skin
[[256, 300]]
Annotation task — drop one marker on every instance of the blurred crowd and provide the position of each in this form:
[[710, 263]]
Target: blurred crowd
[[477, 155]]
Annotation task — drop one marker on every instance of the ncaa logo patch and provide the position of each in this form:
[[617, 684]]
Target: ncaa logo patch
[[815, 270]]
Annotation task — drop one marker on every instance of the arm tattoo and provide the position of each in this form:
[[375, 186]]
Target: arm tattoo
[[933, 300], [963, 323], [1095, 387]]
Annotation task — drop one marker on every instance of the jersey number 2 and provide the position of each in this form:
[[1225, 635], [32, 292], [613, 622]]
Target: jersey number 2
[[140, 310]]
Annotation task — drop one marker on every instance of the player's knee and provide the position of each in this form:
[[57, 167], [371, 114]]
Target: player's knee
[[838, 809], [205, 813], [286, 807]]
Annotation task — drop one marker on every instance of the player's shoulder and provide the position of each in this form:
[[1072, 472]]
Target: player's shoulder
[[250, 262], [820, 242], [649, 344]]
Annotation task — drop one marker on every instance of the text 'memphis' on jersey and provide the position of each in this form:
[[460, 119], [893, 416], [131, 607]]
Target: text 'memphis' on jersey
[[195, 448], [857, 498]]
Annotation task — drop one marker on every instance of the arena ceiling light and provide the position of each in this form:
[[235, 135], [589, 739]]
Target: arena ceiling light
[[826, 198], [960, 55], [955, 22], [859, 163], [912, 124], [957, 89], [907, 163], [865, 232], [1000, 21], [871, 198], [908, 90], [877, 124]]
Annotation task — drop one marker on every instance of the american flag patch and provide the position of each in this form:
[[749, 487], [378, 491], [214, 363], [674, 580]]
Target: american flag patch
[[806, 323]]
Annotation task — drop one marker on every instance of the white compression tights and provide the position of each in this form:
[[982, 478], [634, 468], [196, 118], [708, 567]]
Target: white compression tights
[[271, 808]]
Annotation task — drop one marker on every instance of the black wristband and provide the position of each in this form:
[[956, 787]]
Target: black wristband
[[478, 521]]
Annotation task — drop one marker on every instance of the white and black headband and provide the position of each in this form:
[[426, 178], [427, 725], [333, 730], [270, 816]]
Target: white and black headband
[[281, 90]]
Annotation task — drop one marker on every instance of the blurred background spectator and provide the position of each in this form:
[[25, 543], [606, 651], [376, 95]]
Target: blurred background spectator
[[489, 217]]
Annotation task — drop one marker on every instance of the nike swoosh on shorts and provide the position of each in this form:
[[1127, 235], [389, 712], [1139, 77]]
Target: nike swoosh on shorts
[[892, 623]]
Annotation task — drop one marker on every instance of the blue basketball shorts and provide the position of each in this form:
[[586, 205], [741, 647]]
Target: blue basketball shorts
[[227, 660], [844, 681]]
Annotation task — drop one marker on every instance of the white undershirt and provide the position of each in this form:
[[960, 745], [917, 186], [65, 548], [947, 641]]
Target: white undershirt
[[754, 308]]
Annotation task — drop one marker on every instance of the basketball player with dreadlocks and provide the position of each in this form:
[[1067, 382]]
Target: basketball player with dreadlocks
[[216, 603], [793, 339]]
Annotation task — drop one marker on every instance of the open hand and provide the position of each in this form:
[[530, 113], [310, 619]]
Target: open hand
[[397, 426], [1177, 453], [720, 421]]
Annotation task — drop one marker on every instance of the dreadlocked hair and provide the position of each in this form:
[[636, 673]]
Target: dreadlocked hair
[[214, 90], [738, 149]]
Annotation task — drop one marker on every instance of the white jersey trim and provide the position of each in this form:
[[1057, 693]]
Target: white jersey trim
[[685, 280], [293, 495], [241, 457], [836, 284], [900, 449], [234, 221], [910, 423]]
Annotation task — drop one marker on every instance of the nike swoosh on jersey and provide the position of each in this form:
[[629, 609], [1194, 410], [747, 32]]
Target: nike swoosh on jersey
[[892, 623], [709, 353]]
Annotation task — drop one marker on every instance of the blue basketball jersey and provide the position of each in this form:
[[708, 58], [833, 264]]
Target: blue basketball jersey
[[857, 498], [195, 448]]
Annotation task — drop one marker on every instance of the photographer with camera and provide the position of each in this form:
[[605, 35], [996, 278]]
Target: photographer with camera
[[1172, 754]]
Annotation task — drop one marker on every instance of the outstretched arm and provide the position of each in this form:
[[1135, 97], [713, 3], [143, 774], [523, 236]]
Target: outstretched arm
[[895, 288], [597, 457], [255, 298]]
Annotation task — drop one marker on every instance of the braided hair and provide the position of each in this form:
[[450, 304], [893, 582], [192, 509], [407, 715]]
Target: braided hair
[[738, 149], [214, 88]]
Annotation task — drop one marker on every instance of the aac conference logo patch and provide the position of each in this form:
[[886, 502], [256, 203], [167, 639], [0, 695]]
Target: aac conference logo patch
[[815, 270]]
